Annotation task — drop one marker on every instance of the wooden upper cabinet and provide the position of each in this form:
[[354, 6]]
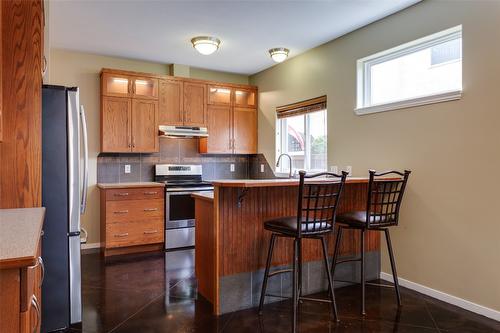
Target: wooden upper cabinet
[[219, 95], [144, 125], [244, 131], [116, 85], [195, 112], [219, 140], [171, 103], [143, 87], [245, 98], [115, 124]]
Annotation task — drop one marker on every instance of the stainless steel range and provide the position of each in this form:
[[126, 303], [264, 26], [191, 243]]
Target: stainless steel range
[[181, 181]]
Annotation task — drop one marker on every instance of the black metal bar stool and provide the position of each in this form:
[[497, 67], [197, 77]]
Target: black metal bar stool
[[316, 211], [382, 211]]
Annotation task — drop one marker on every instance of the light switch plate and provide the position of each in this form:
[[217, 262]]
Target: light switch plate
[[127, 168], [232, 167], [262, 168]]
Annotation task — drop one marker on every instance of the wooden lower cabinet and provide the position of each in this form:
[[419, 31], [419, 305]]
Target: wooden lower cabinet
[[21, 298], [132, 220]]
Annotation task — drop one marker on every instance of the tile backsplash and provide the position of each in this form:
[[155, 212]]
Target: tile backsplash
[[111, 166]]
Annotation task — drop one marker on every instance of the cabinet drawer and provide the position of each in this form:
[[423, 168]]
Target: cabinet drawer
[[134, 233], [135, 193], [133, 210]]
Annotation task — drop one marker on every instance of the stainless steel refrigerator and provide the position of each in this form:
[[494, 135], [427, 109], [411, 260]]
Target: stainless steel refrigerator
[[64, 186]]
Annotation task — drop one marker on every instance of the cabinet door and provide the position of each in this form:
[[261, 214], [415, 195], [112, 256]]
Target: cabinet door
[[219, 95], [245, 131], [219, 140], [245, 98], [115, 124], [116, 85], [144, 125], [143, 87], [195, 104], [170, 103]]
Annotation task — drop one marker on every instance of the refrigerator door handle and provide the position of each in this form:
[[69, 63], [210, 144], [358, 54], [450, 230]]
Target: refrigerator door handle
[[83, 205]]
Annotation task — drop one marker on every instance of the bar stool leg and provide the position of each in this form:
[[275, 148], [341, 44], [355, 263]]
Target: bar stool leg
[[295, 291], [393, 265], [336, 251], [363, 271], [300, 267], [266, 273], [330, 279]]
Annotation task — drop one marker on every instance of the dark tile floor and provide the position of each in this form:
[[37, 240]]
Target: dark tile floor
[[157, 293]]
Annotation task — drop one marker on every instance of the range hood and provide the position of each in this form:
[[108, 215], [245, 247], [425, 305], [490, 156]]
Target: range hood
[[183, 131]]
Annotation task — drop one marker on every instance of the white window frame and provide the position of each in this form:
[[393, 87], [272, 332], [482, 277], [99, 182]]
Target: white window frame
[[281, 141], [363, 74]]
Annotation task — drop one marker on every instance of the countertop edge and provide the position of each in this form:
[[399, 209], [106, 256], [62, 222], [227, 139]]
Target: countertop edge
[[203, 196], [30, 260], [275, 182], [108, 186]]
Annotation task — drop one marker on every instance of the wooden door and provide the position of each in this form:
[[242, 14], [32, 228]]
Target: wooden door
[[144, 87], [219, 95], [245, 98], [245, 131], [195, 113], [170, 105], [115, 124], [219, 140], [144, 125], [116, 85]]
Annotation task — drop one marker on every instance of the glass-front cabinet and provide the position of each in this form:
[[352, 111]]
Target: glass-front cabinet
[[244, 98], [116, 85], [219, 95], [145, 88]]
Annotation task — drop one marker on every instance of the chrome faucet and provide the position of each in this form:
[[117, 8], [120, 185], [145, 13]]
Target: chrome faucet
[[290, 158]]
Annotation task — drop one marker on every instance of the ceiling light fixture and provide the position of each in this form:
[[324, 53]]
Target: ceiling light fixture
[[279, 54], [205, 44]]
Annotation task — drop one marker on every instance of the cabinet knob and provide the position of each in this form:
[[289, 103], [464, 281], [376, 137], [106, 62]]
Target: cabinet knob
[[150, 232], [123, 194], [121, 211], [150, 193], [42, 265], [150, 209], [125, 234]]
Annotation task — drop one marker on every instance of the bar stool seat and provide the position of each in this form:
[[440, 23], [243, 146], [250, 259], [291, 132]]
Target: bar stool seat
[[288, 225], [358, 218]]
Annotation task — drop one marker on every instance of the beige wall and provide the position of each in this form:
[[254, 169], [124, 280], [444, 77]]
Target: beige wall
[[449, 234], [81, 69], [205, 74]]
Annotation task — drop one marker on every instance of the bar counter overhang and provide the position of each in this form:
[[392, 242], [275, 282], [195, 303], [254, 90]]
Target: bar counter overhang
[[232, 245]]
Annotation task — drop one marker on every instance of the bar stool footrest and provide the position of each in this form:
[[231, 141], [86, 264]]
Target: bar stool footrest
[[302, 298], [281, 271]]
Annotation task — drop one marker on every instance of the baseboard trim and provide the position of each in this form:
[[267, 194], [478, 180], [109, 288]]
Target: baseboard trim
[[88, 246], [460, 302]]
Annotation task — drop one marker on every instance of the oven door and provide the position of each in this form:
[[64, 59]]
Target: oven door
[[179, 216]]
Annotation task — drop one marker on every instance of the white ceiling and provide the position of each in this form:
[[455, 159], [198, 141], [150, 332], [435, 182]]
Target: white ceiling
[[160, 31]]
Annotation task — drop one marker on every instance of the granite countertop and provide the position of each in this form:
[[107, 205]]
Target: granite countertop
[[20, 231], [275, 182], [205, 195], [105, 186]]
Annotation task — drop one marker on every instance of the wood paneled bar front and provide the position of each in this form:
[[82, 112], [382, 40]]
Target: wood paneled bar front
[[231, 243]]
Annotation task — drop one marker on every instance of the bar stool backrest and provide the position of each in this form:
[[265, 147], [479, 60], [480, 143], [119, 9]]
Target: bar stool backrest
[[384, 198], [318, 201]]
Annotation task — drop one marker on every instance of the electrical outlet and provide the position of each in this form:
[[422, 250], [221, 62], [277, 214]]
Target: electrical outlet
[[334, 169], [349, 169], [127, 168], [262, 168], [232, 167]]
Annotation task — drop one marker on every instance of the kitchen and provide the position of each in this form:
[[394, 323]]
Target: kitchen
[[188, 158]]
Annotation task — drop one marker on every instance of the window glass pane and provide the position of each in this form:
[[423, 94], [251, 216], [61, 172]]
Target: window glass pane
[[295, 141], [417, 74], [304, 138], [317, 130]]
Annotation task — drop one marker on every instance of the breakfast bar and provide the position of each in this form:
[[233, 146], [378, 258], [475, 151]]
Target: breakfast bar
[[231, 244]]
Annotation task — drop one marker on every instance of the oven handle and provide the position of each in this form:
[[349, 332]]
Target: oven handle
[[191, 190], [187, 192]]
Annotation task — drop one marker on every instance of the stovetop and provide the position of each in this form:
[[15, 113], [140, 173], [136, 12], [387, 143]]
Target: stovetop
[[180, 176]]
